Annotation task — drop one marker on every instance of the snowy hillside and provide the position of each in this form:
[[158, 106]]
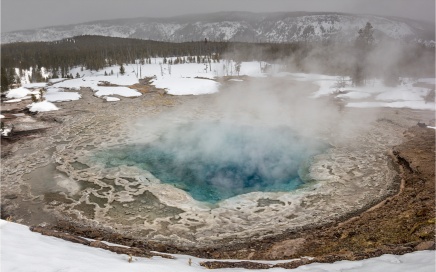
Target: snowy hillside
[[238, 26]]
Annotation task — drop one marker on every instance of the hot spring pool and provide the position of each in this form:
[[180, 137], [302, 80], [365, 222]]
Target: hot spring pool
[[213, 161]]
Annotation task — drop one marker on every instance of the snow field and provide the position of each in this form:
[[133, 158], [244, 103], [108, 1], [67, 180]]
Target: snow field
[[199, 79], [374, 94], [26, 251]]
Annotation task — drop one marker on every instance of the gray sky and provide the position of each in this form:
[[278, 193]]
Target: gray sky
[[29, 14]]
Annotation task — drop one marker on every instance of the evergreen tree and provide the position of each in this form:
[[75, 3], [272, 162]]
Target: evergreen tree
[[366, 36], [4, 80], [36, 75], [237, 67], [122, 70], [363, 46], [11, 76], [34, 98]]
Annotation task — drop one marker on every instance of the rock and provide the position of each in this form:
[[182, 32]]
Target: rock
[[427, 245], [421, 124], [286, 248]]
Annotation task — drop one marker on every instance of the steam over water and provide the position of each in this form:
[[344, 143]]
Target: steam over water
[[213, 161]]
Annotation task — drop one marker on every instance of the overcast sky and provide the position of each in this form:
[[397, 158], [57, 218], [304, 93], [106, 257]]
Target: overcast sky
[[29, 14]]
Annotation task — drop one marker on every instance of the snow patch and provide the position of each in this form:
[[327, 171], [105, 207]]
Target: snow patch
[[121, 91], [112, 99], [42, 106], [187, 86], [5, 131], [18, 93], [58, 95]]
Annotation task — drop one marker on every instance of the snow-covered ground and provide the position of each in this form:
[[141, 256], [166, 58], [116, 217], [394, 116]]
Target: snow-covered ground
[[121, 91], [199, 78], [186, 86], [54, 94], [374, 94], [23, 250], [18, 93]]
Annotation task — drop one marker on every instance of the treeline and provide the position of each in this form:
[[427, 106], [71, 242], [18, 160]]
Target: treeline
[[388, 58], [97, 52]]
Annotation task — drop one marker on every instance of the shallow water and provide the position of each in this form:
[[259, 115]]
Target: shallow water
[[214, 161]]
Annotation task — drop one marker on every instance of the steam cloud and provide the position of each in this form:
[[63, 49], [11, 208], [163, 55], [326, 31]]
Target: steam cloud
[[255, 135], [251, 136], [216, 160]]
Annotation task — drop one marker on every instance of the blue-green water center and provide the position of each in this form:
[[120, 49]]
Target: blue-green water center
[[216, 161]]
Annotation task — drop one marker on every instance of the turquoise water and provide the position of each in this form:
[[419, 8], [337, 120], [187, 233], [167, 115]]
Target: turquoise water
[[215, 161]]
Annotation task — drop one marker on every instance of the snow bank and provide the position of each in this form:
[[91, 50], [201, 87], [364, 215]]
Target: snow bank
[[186, 86], [112, 99], [121, 91], [58, 95], [23, 251], [18, 93], [42, 106]]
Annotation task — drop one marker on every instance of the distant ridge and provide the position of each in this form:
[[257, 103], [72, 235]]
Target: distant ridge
[[239, 26]]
